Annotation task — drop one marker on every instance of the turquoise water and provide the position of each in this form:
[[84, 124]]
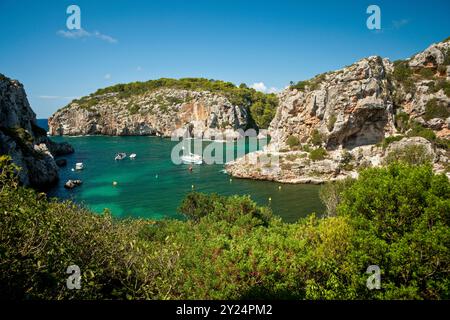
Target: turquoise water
[[151, 186]]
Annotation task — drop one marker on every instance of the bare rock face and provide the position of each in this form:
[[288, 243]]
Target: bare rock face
[[71, 184], [23, 140], [349, 107], [162, 112], [428, 86], [329, 127]]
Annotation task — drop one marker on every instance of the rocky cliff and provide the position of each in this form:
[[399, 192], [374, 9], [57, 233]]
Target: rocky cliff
[[328, 127], [23, 140], [151, 109]]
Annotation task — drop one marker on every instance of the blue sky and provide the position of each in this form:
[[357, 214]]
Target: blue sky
[[247, 41]]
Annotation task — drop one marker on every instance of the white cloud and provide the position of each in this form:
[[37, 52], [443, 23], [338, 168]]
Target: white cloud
[[400, 23], [81, 33], [260, 86], [107, 76]]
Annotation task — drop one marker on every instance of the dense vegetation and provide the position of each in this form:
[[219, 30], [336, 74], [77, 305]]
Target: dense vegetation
[[261, 106], [396, 217], [312, 84]]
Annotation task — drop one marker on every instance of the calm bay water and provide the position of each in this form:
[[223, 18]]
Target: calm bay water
[[151, 186]]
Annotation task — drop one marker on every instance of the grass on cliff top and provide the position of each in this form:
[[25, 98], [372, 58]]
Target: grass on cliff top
[[312, 84], [261, 106], [230, 248]]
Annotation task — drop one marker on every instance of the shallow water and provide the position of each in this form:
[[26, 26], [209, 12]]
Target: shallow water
[[151, 186]]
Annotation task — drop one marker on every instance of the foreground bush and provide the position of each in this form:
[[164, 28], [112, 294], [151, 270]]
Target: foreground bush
[[229, 248]]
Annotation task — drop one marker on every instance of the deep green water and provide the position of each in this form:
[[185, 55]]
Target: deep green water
[[151, 186]]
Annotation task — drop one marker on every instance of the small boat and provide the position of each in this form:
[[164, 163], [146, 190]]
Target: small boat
[[120, 156], [133, 156], [79, 166], [192, 158]]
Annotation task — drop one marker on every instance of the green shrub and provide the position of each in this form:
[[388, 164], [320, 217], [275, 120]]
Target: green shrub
[[401, 216], [442, 143], [331, 122], [41, 238], [415, 154], [388, 140], [133, 109], [293, 142], [346, 156], [402, 71], [331, 194], [306, 148], [426, 73], [434, 109], [230, 248], [294, 156], [301, 85], [264, 109], [402, 121], [317, 154], [316, 138], [447, 57], [418, 130], [262, 113], [443, 85]]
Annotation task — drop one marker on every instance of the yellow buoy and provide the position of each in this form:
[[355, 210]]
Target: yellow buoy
[[270, 199], [114, 183], [279, 187]]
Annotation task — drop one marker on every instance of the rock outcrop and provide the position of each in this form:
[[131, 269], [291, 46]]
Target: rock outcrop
[[22, 139], [350, 107], [71, 184], [163, 112], [329, 127]]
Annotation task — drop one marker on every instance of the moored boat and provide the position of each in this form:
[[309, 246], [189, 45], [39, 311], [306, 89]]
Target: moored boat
[[79, 166], [192, 158], [120, 156]]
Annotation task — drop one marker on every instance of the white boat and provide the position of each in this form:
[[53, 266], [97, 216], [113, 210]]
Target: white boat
[[79, 166], [192, 158], [133, 156], [120, 156]]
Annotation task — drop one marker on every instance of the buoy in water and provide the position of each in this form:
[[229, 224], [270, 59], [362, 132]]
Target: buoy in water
[[231, 180], [114, 183], [192, 186], [270, 199], [279, 187], [156, 176], [72, 169]]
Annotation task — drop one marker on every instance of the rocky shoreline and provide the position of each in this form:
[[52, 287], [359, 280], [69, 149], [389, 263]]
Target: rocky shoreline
[[331, 126], [324, 129], [24, 141], [163, 112]]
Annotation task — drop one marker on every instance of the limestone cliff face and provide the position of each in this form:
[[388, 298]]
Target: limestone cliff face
[[162, 112], [349, 107], [347, 114], [23, 140], [428, 84]]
